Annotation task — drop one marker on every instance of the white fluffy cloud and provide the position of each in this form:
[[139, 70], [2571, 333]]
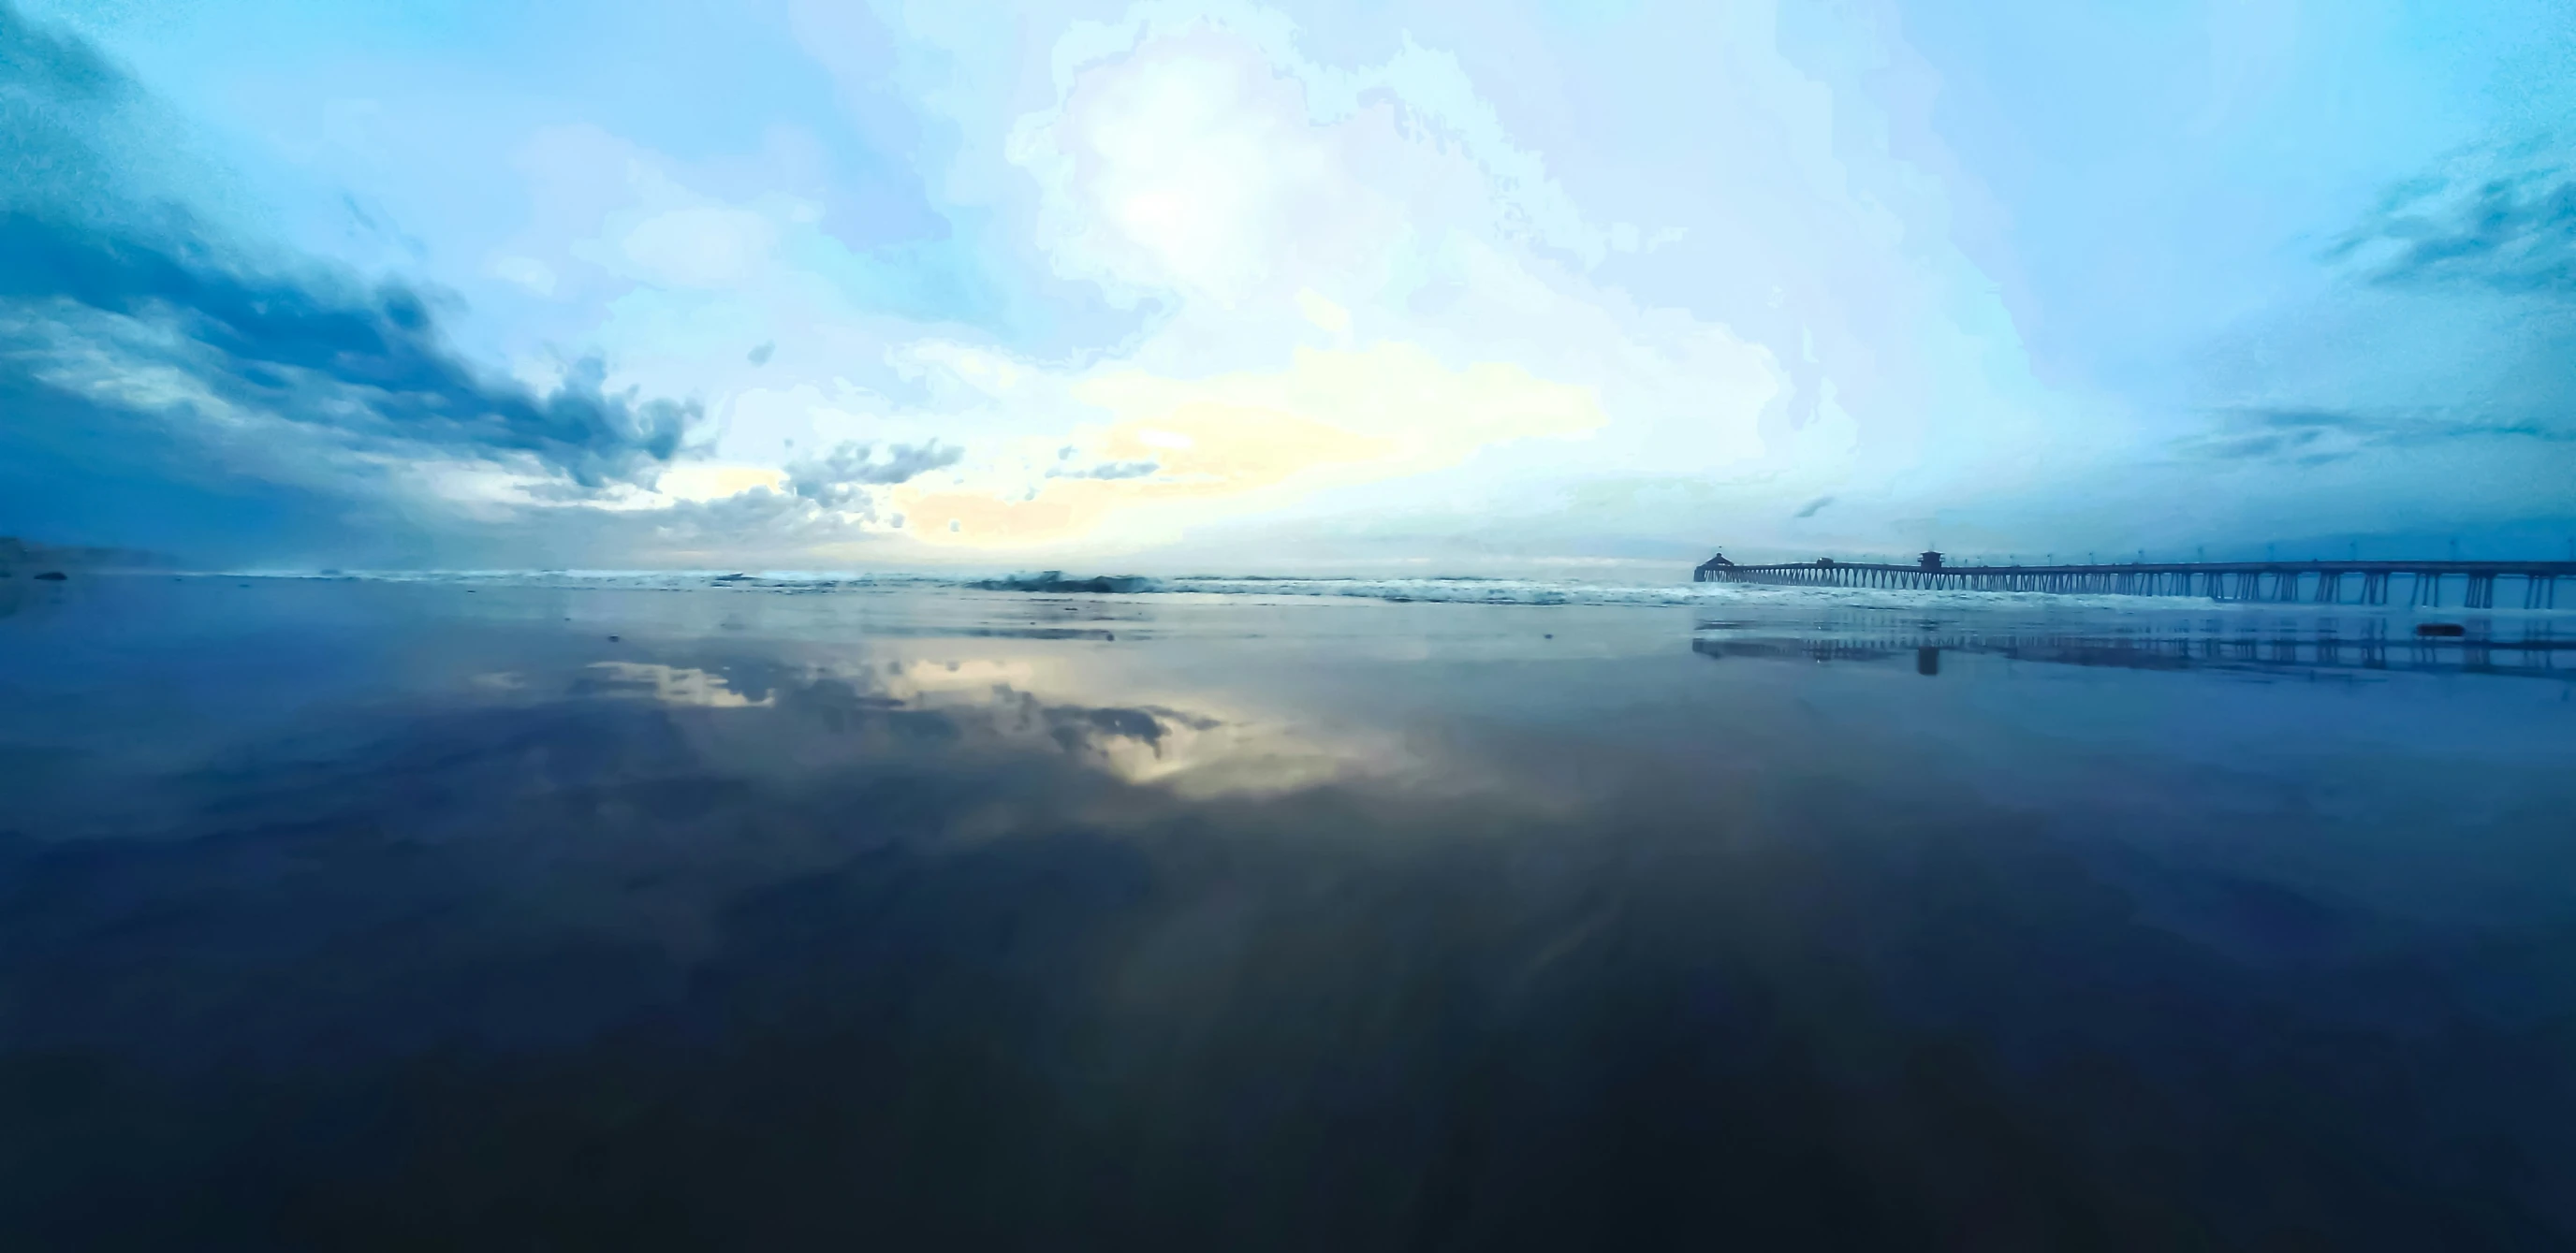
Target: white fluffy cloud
[[1191, 166], [1359, 287]]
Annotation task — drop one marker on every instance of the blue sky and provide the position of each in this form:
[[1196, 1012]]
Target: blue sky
[[1229, 286]]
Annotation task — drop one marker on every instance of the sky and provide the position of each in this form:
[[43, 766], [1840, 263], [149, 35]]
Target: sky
[[1484, 287]]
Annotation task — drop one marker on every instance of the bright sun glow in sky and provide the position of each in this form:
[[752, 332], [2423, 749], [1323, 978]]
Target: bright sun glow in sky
[[1230, 286]]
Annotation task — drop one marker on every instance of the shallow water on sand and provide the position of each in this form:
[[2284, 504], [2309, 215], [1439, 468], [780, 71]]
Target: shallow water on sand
[[522, 912]]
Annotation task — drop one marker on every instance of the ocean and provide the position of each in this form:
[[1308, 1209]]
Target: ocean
[[790, 909]]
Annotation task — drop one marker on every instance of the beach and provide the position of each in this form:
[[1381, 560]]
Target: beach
[[779, 910]]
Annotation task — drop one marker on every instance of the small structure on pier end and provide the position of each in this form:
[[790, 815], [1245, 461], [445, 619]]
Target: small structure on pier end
[[1711, 569], [1931, 560]]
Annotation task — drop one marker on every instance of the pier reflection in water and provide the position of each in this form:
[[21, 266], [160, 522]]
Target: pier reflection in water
[[2536, 646]]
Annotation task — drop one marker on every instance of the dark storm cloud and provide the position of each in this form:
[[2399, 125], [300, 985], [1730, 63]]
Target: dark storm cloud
[[2508, 224], [106, 283], [1813, 507], [313, 350], [841, 478]]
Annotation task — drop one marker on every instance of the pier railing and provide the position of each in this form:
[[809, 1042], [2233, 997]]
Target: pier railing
[[2302, 582]]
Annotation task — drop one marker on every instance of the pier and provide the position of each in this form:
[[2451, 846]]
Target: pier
[[2422, 583]]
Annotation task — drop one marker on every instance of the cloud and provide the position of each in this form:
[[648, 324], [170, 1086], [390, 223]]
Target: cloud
[[1187, 165], [1194, 150], [152, 353], [47, 64], [2313, 436], [2502, 220], [1110, 470], [99, 306], [840, 478], [1813, 507], [1290, 198], [1227, 444]]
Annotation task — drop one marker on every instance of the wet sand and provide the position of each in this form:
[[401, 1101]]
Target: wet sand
[[368, 915]]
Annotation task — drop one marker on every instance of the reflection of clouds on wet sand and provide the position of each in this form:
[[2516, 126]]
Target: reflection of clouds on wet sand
[[1197, 742], [671, 685], [873, 914], [1193, 742]]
